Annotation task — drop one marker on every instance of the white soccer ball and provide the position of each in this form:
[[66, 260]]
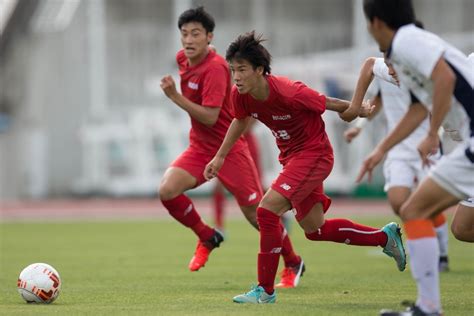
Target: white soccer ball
[[39, 283]]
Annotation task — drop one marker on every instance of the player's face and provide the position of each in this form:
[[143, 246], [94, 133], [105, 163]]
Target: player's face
[[195, 40], [244, 76], [374, 28], [391, 70]]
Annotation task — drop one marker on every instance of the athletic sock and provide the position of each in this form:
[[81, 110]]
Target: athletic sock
[[182, 209], [270, 247], [290, 258], [219, 199], [442, 233], [345, 231], [424, 255]]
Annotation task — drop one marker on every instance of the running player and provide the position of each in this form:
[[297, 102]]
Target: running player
[[402, 168], [293, 112], [441, 77], [205, 86]]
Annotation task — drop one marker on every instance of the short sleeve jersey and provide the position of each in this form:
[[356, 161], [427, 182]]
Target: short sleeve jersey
[[396, 101], [208, 84], [292, 112], [415, 67]]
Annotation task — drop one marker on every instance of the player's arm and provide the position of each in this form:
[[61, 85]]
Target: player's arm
[[337, 105], [365, 78], [410, 121], [236, 129], [206, 115], [354, 131], [443, 86]]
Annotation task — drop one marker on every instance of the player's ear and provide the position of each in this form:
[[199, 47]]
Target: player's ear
[[260, 70], [210, 36]]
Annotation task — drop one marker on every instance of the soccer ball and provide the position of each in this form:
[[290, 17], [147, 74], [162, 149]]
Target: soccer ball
[[39, 283]]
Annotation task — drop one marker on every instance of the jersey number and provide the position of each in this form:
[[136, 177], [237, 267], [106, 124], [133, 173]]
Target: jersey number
[[281, 134]]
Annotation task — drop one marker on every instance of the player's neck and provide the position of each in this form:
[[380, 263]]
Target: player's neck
[[198, 59], [262, 89]]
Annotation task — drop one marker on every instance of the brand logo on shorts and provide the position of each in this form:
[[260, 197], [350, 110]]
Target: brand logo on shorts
[[252, 196], [254, 115], [285, 186], [281, 117], [193, 85]]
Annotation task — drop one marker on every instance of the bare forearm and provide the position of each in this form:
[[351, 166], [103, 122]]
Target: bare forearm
[[337, 105], [205, 115], [236, 129], [366, 76], [412, 119], [442, 93]]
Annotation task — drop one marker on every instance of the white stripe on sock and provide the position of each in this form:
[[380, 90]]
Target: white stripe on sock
[[360, 231]]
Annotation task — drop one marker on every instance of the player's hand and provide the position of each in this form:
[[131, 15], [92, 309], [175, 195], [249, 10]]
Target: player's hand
[[369, 164], [350, 114], [366, 109], [168, 85], [213, 167], [428, 147], [351, 133]]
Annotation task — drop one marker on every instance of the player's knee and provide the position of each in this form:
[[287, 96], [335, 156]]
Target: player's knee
[[167, 192], [461, 233]]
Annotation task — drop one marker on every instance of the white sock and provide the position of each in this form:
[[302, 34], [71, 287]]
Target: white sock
[[424, 256], [443, 235]]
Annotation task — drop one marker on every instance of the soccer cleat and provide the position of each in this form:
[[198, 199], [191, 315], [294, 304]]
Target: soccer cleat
[[443, 265], [290, 276], [203, 250], [410, 311], [394, 247], [256, 295]]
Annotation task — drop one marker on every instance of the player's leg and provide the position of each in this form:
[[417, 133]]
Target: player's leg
[[310, 216], [218, 199], [186, 173], [427, 200], [463, 221], [272, 206]]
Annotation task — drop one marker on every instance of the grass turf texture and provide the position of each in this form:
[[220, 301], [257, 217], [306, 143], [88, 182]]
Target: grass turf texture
[[123, 268]]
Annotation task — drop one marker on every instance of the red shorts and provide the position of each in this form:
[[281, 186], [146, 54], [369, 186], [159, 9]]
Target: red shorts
[[301, 182], [238, 174]]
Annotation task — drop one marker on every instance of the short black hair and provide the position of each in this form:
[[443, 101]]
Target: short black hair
[[395, 13], [419, 24], [197, 15], [248, 47]]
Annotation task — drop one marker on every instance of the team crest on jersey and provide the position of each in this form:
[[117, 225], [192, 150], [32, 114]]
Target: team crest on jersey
[[193, 85], [281, 117], [285, 186]]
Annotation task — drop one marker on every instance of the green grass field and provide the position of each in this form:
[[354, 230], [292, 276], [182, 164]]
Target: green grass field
[[124, 268]]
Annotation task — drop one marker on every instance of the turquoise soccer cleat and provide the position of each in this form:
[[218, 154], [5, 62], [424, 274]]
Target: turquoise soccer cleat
[[394, 247], [256, 295]]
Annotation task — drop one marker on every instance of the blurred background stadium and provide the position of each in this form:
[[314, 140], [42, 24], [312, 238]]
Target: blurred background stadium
[[81, 111]]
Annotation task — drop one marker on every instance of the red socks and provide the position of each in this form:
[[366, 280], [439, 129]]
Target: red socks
[[182, 209], [218, 199], [270, 247], [290, 258], [345, 231]]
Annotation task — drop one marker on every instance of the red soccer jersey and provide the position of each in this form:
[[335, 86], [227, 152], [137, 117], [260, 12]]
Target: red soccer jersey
[[292, 111], [208, 84]]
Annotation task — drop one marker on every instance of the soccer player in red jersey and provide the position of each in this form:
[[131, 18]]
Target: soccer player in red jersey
[[293, 112], [205, 87]]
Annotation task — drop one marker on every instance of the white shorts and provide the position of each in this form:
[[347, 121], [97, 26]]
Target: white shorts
[[469, 202], [455, 173], [403, 173]]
